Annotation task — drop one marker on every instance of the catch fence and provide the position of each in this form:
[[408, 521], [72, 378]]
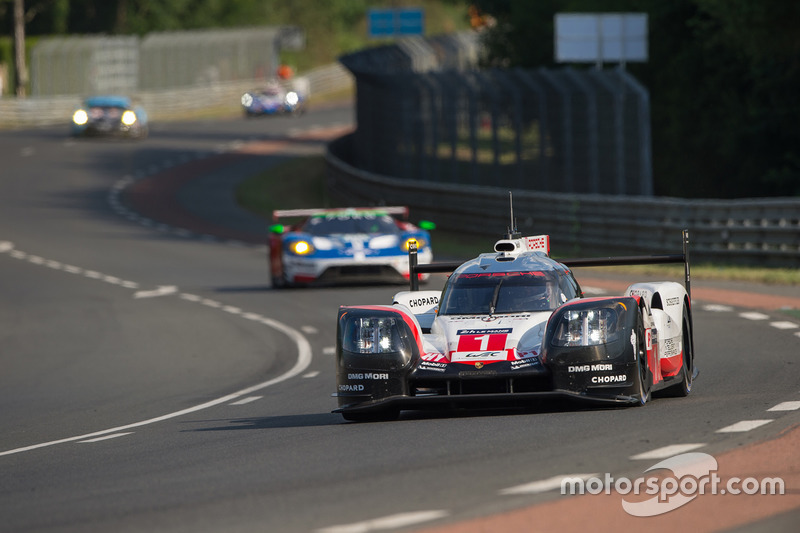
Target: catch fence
[[426, 112]]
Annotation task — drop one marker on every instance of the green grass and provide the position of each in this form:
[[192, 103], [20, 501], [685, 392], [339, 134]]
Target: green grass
[[300, 183]]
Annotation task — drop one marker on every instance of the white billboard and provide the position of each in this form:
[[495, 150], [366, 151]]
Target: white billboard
[[600, 37]]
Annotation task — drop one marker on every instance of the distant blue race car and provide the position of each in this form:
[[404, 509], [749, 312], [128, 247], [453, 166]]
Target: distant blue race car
[[109, 116], [356, 245], [273, 100]]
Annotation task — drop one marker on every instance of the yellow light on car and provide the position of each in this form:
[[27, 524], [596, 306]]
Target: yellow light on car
[[301, 247], [128, 118], [80, 117]]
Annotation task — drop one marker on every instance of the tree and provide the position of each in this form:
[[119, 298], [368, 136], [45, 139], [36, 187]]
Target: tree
[[723, 78]]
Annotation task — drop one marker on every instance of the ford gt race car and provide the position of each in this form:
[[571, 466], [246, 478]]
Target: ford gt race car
[[109, 116], [349, 244], [510, 327]]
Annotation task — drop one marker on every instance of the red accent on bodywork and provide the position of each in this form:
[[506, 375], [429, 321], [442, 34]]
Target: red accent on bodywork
[[670, 366]]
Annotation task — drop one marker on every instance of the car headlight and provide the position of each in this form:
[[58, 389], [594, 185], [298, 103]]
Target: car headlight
[[373, 335], [128, 118], [247, 100], [420, 243], [587, 327], [292, 98], [80, 117], [301, 248]]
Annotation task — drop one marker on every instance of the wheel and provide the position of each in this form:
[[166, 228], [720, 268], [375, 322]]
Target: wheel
[[644, 377], [684, 387], [279, 282]]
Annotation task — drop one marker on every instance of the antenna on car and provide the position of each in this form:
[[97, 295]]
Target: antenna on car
[[513, 233]]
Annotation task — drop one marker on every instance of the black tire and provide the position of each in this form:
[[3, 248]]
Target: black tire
[[279, 282], [644, 378], [682, 388]]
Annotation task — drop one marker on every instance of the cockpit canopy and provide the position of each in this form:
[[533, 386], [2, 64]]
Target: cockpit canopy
[[483, 293]]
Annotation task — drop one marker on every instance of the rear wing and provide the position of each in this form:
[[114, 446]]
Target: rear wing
[[415, 269], [288, 213]]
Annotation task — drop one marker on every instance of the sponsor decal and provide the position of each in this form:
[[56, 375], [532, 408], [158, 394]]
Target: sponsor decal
[[472, 357], [673, 301], [433, 356], [524, 363], [470, 340], [420, 302], [351, 388], [430, 365], [500, 275], [672, 347], [597, 367], [619, 378], [471, 318], [368, 375], [640, 293]]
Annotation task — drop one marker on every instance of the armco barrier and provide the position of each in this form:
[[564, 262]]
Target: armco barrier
[[762, 232]]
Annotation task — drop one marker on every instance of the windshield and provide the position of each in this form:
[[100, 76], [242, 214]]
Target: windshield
[[349, 224], [501, 292]]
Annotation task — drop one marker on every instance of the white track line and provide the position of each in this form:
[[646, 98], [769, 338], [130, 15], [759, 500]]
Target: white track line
[[544, 485], [304, 356], [388, 522], [666, 451], [785, 406], [744, 425], [107, 437]]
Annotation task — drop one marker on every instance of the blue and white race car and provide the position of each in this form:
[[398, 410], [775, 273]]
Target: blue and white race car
[[273, 100], [111, 116], [356, 245]]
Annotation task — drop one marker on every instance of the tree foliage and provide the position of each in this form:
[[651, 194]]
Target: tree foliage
[[723, 77], [332, 27]]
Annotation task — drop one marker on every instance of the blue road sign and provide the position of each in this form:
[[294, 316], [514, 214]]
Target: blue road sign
[[382, 23]]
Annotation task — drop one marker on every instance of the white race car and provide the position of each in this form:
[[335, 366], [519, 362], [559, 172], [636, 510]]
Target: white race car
[[512, 326]]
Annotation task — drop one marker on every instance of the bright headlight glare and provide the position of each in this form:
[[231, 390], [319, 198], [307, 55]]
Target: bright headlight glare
[[301, 248], [374, 335], [588, 327], [247, 100], [80, 117], [292, 98], [128, 118]]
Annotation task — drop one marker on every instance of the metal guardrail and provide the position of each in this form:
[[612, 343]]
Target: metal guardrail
[[762, 232], [166, 104]]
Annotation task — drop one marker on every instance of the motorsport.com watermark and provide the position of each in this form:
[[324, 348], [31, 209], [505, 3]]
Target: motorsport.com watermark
[[693, 474]]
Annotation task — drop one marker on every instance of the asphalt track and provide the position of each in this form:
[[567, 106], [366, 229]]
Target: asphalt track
[[151, 379]]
